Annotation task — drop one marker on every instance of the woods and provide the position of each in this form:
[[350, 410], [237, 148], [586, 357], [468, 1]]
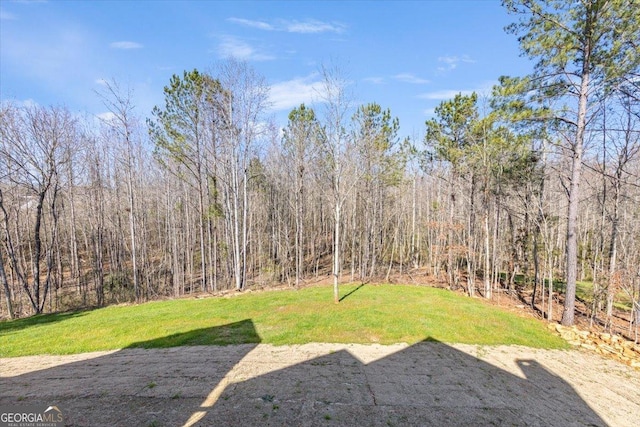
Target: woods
[[535, 186]]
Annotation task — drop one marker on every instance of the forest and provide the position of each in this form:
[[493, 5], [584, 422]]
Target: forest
[[534, 186]]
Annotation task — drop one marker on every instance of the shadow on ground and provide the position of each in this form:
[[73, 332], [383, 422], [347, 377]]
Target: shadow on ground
[[37, 320], [429, 383]]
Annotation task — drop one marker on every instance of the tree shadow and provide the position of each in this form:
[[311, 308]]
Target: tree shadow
[[429, 383], [38, 320], [242, 332], [351, 292]]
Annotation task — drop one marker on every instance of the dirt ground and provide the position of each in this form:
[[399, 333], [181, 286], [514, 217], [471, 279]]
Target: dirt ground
[[429, 383]]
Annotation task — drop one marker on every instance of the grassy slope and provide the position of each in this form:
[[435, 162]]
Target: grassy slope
[[371, 313]]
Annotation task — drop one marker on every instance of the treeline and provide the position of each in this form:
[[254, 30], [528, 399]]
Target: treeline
[[207, 194]]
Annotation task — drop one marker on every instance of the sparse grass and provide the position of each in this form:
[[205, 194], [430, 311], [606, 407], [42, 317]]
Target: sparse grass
[[584, 291], [370, 314]]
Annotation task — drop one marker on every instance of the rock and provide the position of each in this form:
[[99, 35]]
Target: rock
[[605, 344], [607, 348], [583, 334]]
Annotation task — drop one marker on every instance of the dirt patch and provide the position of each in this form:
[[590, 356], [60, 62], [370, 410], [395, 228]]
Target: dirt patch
[[429, 383]]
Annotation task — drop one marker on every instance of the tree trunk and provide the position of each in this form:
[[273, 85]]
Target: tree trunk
[[487, 254], [245, 230], [201, 223], [574, 199], [37, 236], [7, 290], [132, 229], [336, 252], [450, 257], [613, 253]]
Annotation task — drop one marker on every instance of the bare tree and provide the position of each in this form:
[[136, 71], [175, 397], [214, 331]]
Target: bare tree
[[299, 140], [243, 116], [337, 148], [623, 141], [122, 124], [33, 146]]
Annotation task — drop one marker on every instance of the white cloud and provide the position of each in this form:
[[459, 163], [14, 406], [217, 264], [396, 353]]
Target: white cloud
[[483, 89], [50, 58], [253, 24], [410, 78], [7, 16], [451, 61], [58, 58], [232, 47], [312, 27], [106, 116], [444, 94], [448, 59], [28, 103], [309, 26], [374, 80], [125, 45], [291, 93]]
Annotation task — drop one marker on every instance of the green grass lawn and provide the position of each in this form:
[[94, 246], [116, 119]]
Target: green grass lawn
[[368, 314]]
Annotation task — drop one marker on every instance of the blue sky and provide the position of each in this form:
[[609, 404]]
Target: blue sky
[[406, 56]]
